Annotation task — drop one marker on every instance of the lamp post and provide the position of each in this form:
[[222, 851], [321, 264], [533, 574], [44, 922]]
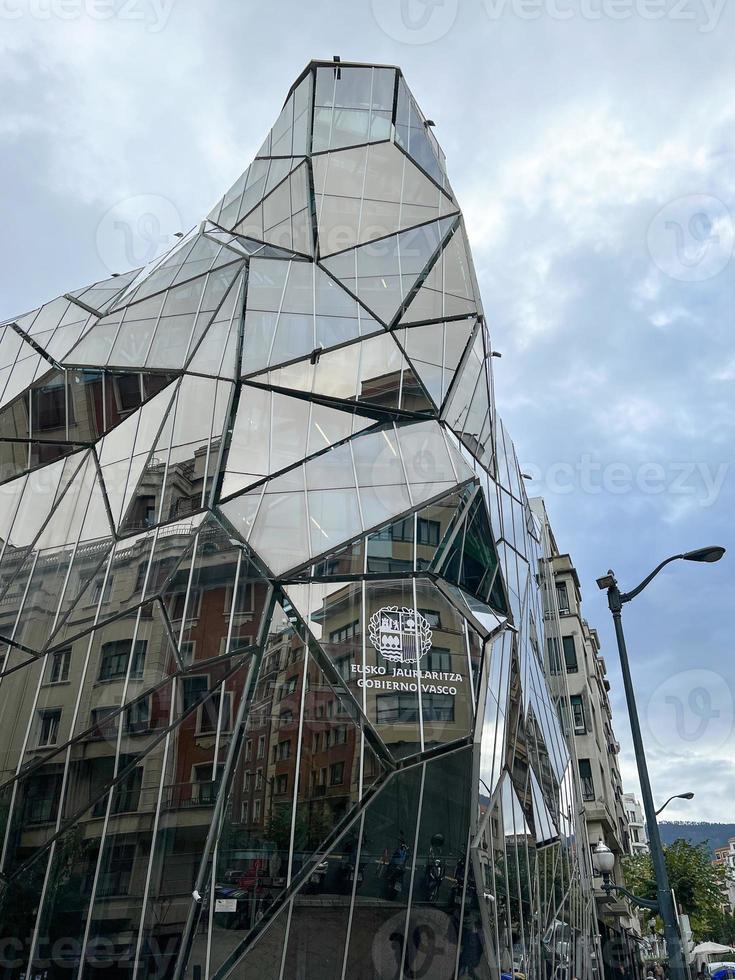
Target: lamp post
[[679, 796], [665, 904]]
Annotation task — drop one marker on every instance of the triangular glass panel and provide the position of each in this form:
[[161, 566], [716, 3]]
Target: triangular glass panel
[[135, 570], [197, 256], [372, 373], [402, 648], [468, 410], [449, 289], [215, 354], [284, 217], [248, 191], [415, 137], [434, 351], [174, 477], [378, 182], [160, 331], [273, 431], [295, 309], [103, 294], [384, 274], [123, 452], [348, 490]]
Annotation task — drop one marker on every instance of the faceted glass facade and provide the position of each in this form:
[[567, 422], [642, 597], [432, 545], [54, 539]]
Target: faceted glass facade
[[274, 696]]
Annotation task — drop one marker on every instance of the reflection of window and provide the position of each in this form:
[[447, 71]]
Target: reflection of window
[[49, 728], [336, 773], [282, 750], [570, 654], [178, 605], [438, 707], [286, 719], [104, 724], [49, 408], [59, 670], [580, 725], [562, 597], [437, 659], [428, 532], [259, 779], [249, 750], [336, 736], [127, 391], [98, 587], [343, 667], [115, 656], [281, 785], [245, 601], [345, 633], [115, 878], [193, 690], [552, 645], [396, 708], [138, 716], [433, 618], [256, 811], [289, 687], [187, 648], [209, 714], [246, 784], [261, 746], [585, 775]]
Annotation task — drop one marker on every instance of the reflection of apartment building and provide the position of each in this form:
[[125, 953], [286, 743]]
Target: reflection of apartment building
[[636, 824], [587, 718]]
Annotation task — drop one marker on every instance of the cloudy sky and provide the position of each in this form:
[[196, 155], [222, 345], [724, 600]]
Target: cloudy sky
[[590, 143]]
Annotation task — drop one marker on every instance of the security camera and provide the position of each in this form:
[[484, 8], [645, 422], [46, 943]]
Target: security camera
[[196, 896]]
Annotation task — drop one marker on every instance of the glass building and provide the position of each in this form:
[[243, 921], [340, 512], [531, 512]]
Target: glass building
[[274, 700]]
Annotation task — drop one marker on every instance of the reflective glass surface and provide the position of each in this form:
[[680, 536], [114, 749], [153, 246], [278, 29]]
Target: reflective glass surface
[[274, 687]]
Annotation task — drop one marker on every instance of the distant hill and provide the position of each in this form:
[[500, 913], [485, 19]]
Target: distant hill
[[715, 834]]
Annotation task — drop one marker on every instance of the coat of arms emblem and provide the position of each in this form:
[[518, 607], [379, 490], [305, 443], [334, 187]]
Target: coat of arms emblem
[[400, 635]]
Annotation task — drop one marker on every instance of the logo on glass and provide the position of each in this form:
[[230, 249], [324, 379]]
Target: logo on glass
[[400, 635]]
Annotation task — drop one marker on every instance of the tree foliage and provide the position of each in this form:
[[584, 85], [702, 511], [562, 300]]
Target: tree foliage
[[698, 885]]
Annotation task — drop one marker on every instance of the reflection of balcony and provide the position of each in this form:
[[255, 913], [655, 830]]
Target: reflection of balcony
[[113, 883], [184, 796]]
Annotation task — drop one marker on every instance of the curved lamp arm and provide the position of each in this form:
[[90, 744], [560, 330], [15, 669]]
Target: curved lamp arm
[[627, 596], [641, 903]]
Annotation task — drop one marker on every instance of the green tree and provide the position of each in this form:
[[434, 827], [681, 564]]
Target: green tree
[[697, 883]]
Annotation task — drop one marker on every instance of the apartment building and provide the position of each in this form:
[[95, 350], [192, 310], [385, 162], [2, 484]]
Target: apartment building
[[636, 824], [574, 657], [725, 858]]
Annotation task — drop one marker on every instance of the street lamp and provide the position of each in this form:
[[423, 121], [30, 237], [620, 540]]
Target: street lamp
[[665, 904], [679, 796], [603, 861]]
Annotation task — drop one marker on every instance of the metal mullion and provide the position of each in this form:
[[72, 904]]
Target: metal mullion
[[354, 889], [466, 631], [418, 666], [297, 774], [170, 415], [399, 453], [154, 833], [467, 864], [359, 501], [419, 817], [278, 316]]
